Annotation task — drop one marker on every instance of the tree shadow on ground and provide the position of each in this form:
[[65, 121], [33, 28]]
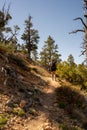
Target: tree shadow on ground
[[74, 105], [62, 105]]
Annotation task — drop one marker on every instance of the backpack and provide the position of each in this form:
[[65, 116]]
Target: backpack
[[53, 66]]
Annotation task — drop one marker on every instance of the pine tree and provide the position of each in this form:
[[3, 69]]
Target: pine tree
[[44, 56], [4, 19], [71, 60], [30, 36], [49, 51]]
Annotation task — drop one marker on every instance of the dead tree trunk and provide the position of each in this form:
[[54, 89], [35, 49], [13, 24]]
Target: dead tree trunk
[[83, 30], [85, 15]]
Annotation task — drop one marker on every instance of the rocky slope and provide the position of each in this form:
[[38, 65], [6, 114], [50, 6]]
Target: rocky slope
[[30, 100]]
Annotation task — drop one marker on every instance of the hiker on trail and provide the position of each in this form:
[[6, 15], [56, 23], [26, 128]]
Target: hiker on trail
[[53, 70]]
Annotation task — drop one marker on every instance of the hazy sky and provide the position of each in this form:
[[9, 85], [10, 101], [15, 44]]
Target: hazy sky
[[54, 18]]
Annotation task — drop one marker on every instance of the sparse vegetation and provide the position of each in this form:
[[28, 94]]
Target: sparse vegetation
[[56, 102], [18, 61], [3, 120], [18, 111], [69, 97], [75, 74], [66, 127]]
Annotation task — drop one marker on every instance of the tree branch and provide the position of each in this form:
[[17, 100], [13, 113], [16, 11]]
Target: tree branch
[[79, 30], [83, 52], [81, 21]]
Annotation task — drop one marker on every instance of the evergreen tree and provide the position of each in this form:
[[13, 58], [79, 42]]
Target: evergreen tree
[[70, 60], [30, 36], [4, 19], [44, 55], [49, 51], [13, 40]]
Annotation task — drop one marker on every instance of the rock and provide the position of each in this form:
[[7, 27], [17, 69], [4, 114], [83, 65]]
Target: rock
[[47, 126], [8, 109], [22, 103], [33, 112]]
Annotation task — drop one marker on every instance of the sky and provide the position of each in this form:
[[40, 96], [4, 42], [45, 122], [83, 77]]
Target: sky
[[54, 18]]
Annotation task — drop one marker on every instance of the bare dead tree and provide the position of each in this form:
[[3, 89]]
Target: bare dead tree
[[84, 30]]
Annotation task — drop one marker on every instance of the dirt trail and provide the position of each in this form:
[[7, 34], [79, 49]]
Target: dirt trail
[[48, 111]]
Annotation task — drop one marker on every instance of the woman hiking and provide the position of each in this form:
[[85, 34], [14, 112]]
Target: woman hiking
[[53, 70]]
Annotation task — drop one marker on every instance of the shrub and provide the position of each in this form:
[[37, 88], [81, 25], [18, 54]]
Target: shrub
[[67, 96], [19, 111], [3, 120]]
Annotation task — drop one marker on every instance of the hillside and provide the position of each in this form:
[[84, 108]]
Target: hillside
[[30, 100]]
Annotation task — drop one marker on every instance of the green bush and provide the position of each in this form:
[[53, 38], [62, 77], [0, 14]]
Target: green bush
[[19, 111], [76, 74], [3, 120], [9, 47]]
